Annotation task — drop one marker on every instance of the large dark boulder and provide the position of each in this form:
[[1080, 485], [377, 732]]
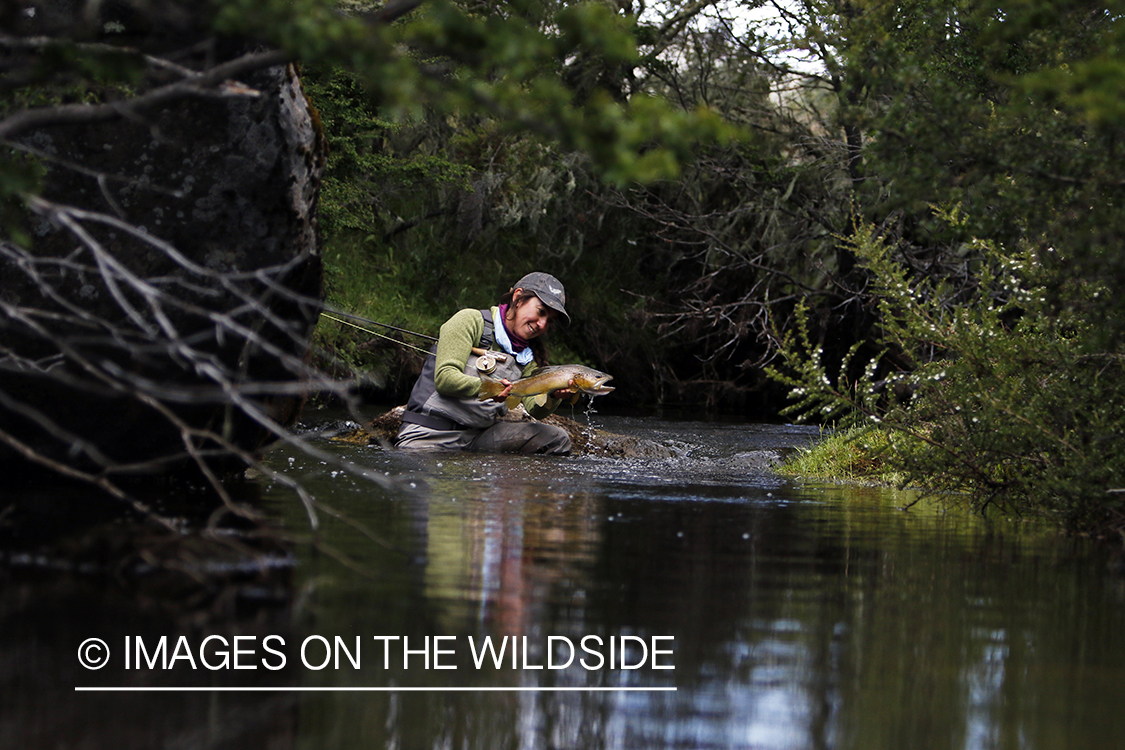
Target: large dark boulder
[[160, 310]]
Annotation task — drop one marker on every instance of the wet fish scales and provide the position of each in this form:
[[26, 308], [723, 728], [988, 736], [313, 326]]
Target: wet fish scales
[[548, 379]]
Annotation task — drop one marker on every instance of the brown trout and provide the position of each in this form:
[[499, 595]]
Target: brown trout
[[548, 379]]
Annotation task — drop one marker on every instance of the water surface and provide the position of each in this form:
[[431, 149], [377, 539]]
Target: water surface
[[795, 615]]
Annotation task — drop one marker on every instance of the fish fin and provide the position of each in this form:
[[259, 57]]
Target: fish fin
[[489, 387], [513, 401], [541, 399], [574, 399]]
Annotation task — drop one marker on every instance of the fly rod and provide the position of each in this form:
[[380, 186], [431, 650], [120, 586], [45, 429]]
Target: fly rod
[[476, 350]]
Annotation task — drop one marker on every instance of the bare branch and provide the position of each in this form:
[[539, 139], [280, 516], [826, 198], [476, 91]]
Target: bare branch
[[200, 84], [391, 11]]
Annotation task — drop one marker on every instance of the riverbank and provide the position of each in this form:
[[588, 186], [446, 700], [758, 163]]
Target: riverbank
[[868, 456], [856, 456]]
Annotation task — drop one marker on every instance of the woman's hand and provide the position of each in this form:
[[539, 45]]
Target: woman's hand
[[564, 393], [503, 395]]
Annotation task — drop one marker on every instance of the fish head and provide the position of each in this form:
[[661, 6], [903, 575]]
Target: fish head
[[592, 382]]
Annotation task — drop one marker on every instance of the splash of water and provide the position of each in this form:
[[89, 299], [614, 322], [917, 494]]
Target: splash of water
[[589, 432]]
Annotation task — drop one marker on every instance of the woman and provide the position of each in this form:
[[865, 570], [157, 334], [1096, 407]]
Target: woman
[[444, 410]]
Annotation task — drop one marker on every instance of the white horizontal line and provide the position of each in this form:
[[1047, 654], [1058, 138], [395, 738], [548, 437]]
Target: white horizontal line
[[370, 689]]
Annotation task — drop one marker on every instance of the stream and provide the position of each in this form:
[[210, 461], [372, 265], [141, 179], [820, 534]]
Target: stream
[[490, 601]]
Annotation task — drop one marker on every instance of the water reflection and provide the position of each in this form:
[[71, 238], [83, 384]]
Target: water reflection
[[496, 549], [801, 616]]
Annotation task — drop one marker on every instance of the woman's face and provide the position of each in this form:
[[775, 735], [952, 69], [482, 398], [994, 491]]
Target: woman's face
[[529, 317]]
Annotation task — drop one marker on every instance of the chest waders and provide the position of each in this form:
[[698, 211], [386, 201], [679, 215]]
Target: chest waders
[[428, 408]]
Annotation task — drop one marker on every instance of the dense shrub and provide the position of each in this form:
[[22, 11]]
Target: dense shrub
[[1011, 400]]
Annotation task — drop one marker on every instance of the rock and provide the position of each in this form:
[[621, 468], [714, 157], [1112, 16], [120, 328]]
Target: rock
[[179, 313], [757, 462]]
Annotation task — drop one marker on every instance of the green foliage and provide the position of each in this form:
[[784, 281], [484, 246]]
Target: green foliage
[[454, 61], [312, 31], [984, 338], [1012, 404], [1012, 111], [371, 285], [854, 456], [362, 158]]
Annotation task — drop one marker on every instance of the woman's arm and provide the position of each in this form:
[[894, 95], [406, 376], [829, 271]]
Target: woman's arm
[[458, 336]]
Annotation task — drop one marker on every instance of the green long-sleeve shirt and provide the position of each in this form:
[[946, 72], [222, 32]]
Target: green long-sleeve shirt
[[458, 336]]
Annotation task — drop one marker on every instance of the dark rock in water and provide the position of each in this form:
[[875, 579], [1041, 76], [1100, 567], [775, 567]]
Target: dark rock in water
[[584, 441], [164, 304], [602, 443]]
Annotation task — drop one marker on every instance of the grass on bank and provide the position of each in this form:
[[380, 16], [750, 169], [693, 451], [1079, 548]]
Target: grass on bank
[[852, 456]]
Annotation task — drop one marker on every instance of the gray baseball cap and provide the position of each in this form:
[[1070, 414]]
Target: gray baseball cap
[[547, 288]]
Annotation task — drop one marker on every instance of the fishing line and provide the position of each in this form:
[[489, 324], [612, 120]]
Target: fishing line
[[381, 335], [370, 322]]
